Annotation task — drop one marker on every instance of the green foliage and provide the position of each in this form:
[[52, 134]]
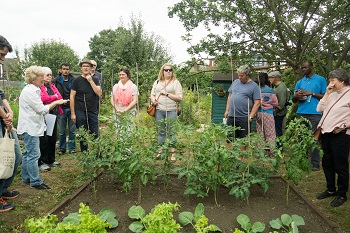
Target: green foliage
[[159, 220], [201, 222], [129, 46], [244, 221], [210, 163], [84, 221], [52, 54], [296, 143], [288, 224], [271, 31]]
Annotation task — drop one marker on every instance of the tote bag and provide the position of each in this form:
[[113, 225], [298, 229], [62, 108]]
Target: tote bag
[[7, 156]]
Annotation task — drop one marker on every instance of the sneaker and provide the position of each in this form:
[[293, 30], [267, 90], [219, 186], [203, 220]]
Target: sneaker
[[315, 169], [72, 152], [4, 206], [338, 201], [61, 152], [10, 195], [44, 167], [40, 186], [55, 164], [325, 194]]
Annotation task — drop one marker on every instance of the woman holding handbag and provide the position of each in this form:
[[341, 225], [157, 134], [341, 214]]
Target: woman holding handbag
[[335, 129], [165, 94]]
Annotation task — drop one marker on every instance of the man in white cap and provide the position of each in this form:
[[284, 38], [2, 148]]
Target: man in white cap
[[282, 94], [97, 74]]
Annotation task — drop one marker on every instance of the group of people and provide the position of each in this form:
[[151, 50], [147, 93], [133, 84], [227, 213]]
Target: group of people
[[72, 102], [325, 107]]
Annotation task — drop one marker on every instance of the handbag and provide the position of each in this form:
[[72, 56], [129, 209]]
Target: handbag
[[317, 133], [7, 156], [151, 110]]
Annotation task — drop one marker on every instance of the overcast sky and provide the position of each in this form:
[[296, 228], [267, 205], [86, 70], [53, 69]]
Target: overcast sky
[[24, 22]]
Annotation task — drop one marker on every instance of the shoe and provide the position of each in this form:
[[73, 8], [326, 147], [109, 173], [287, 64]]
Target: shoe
[[315, 169], [40, 186], [4, 206], [55, 164], [72, 152], [61, 152], [44, 167], [10, 195], [325, 194], [338, 201]]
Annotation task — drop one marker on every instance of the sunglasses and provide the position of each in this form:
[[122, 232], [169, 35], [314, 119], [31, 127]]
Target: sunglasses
[[168, 70]]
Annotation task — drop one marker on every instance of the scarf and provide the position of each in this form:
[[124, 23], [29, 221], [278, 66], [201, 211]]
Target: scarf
[[123, 93]]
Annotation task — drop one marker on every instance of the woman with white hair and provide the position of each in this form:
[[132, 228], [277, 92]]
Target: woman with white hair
[[49, 94], [31, 125]]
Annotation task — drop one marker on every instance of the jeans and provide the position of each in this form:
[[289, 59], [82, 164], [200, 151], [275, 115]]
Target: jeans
[[31, 155], [90, 124], [314, 120], [279, 125], [335, 161], [6, 183], [165, 121], [63, 119]]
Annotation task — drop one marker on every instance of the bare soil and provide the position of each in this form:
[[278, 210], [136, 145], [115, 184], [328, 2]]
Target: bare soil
[[262, 206]]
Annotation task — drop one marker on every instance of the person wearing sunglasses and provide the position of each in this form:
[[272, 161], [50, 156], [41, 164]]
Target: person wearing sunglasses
[[165, 94]]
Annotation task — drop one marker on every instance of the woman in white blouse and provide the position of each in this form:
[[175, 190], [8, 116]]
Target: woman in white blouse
[[31, 124], [165, 94]]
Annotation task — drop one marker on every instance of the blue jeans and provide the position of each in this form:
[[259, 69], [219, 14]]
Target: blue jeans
[[165, 121], [62, 124], [314, 120], [31, 155], [90, 124], [5, 184]]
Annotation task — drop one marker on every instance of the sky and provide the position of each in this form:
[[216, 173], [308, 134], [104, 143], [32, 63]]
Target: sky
[[74, 22]]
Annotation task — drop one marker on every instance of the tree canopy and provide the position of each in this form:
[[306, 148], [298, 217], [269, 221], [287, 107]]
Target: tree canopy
[[282, 32], [129, 46], [52, 54]]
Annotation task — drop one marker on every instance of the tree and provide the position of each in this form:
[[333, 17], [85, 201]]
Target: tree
[[52, 54], [130, 47], [282, 32]]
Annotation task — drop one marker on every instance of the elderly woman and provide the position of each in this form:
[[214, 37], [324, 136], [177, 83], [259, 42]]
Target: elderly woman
[[335, 129], [165, 94], [49, 94], [124, 94], [31, 125]]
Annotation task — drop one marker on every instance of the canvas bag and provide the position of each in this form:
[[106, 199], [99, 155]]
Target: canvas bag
[[7, 156]]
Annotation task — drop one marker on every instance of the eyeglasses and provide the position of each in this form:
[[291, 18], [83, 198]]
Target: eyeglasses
[[168, 70], [86, 66]]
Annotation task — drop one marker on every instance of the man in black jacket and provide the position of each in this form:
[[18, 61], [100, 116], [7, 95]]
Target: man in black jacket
[[63, 83]]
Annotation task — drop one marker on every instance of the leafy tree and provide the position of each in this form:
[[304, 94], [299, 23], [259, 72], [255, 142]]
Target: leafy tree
[[131, 46], [52, 54], [282, 32]]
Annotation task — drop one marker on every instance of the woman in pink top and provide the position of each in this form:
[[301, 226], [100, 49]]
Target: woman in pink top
[[49, 94], [335, 128]]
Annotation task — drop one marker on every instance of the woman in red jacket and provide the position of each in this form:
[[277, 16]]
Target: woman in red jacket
[[49, 94]]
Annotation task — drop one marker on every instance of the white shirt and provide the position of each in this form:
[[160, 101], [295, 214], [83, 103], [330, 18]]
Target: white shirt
[[31, 112]]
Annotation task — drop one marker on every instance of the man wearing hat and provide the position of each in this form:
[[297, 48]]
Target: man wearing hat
[[282, 94], [84, 100]]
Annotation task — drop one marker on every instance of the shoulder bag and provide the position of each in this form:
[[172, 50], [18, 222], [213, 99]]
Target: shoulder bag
[[151, 109], [7, 156]]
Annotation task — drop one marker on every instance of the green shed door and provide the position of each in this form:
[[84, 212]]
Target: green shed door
[[219, 102]]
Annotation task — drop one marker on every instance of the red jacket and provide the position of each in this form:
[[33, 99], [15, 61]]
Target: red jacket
[[48, 99]]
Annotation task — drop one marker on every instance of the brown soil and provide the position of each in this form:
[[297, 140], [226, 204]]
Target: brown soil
[[262, 206]]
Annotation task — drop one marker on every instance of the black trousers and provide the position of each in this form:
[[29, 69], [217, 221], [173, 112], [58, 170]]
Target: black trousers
[[48, 147], [335, 161]]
